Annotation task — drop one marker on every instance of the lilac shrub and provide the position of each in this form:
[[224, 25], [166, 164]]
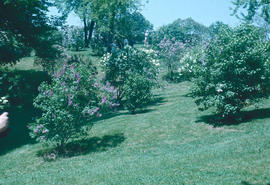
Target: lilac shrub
[[73, 98], [190, 62], [234, 72], [171, 52], [134, 72]]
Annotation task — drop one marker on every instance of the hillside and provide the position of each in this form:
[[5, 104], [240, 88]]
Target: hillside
[[170, 142]]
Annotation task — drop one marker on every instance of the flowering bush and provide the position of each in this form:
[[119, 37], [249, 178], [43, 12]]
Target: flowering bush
[[72, 37], [189, 63], [3, 102], [152, 55], [69, 102], [171, 52], [234, 71], [122, 65]]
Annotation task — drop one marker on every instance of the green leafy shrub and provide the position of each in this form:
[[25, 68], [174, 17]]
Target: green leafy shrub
[[234, 72], [121, 65], [139, 91], [20, 87], [77, 38], [171, 52], [69, 103]]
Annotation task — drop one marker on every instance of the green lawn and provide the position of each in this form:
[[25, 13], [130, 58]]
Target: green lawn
[[27, 63], [171, 142]]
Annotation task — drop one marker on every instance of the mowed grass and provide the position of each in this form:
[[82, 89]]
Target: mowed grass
[[27, 63], [169, 142], [165, 144]]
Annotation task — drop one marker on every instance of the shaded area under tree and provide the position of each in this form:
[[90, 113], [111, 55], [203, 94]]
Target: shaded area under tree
[[243, 117]]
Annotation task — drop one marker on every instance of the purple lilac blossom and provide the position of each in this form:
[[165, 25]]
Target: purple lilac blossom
[[40, 126], [95, 110], [104, 100], [45, 131], [72, 67], [70, 102], [89, 111], [96, 85], [79, 79], [51, 93], [108, 84]]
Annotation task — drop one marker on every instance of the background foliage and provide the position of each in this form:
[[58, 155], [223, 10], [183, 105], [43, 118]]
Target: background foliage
[[234, 71]]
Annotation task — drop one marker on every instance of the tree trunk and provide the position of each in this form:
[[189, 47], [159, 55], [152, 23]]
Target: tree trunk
[[91, 29], [111, 32], [85, 28], [170, 71]]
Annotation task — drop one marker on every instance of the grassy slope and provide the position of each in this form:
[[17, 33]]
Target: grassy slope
[[26, 63], [164, 145]]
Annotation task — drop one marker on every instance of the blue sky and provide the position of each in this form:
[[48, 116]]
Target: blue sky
[[160, 12]]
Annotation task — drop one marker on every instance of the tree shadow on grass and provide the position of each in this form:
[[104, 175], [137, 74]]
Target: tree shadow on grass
[[243, 117], [141, 111], [188, 95], [245, 183], [19, 118], [150, 107], [83, 147], [21, 110], [157, 100], [248, 183]]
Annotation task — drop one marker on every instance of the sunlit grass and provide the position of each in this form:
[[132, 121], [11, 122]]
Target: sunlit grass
[[27, 63], [164, 144]]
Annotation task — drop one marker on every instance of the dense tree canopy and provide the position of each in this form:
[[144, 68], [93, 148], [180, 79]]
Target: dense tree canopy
[[109, 14], [82, 8], [24, 26], [108, 19], [216, 27], [132, 27], [248, 9], [186, 30]]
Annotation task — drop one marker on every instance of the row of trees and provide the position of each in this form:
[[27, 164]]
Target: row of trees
[[108, 20], [104, 21]]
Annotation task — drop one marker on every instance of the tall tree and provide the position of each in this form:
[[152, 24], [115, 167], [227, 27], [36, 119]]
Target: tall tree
[[248, 9], [133, 27], [24, 26], [107, 12], [216, 27], [82, 8], [186, 31]]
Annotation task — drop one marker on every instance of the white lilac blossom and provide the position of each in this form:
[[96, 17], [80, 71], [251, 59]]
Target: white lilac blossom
[[219, 88]]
